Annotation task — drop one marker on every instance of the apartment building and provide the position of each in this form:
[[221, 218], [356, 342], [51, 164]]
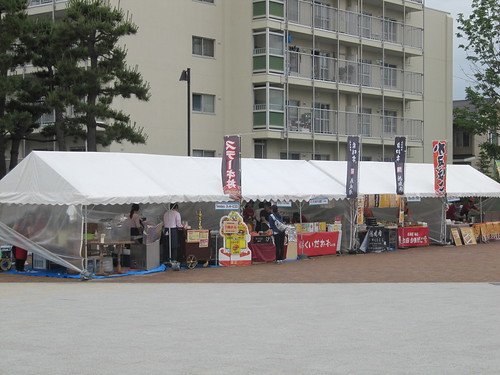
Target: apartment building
[[294, 78]]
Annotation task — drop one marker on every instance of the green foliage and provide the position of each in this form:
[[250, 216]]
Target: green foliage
[[13, 118], [95, 29], [482, 32]]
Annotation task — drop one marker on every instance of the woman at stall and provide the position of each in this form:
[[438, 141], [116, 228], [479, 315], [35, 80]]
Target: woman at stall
[[136, 225]]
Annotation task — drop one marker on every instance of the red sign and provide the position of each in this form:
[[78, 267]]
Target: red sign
[[413, 236], [318, 243], [439, 152], [231, 171]]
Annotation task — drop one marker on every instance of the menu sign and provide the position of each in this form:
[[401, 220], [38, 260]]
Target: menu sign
[[399, 163], [231, 168], [352, 166], [439, 152]]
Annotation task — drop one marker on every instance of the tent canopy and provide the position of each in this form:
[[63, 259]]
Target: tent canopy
[[92, 178], [380, 178]]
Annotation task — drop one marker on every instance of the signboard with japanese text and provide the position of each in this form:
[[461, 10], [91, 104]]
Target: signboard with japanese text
[[413, 236], [399, 163], [319, 243], [353, 155], [199, 236], [231, 167], [235, 251], [439, 153], [227, 206]]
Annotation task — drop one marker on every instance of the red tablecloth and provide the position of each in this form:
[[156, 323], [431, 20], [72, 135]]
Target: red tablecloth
[[413, 236], [262, 252], [318, 243]]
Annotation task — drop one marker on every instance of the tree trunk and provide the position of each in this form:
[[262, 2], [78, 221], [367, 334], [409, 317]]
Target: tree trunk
[[60, 135], [3, 162], [14, 152], [91, 135]]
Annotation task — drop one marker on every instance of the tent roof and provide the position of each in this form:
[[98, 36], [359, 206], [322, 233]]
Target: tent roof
[[88, 178], [380, 178]]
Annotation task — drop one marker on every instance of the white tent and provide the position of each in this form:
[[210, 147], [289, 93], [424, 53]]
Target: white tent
[[380, 178], [46, 183], [91, 178]]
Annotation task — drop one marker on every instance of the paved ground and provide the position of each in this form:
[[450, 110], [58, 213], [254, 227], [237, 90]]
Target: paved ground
[[391, 313], [474, 263]]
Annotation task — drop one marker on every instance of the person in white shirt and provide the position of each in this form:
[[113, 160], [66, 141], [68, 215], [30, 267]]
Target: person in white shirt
[[171, 224]]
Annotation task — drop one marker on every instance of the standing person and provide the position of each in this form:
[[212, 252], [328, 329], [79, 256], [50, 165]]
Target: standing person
[[24, 227], [171, 224], [249, 213], [279, 235], [136, 227]]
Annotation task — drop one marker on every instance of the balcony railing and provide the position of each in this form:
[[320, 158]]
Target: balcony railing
[[322, 121], [330, 69], [34, 3], [356, 24]]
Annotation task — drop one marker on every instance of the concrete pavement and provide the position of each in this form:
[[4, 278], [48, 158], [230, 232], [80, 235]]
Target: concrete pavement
[[231, 328]]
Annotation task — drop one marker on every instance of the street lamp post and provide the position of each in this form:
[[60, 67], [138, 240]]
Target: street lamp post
[[186, 76]]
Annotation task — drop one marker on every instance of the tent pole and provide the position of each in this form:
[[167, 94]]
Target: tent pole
[[301, 255], [85, 231], [443, 221]]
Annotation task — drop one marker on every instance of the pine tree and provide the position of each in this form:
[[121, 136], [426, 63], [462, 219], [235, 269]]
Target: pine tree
[[12, 55], [96, 28]]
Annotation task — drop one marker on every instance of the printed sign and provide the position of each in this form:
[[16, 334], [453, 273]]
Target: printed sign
[[439, 152], [235, 251], [468, 236], [231, 169], [227, 206], [318, 201], [456, 236], [399, 164], [319, 243], [413, 236], [353, 155]]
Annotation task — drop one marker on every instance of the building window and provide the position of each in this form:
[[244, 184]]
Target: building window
[[204, 153], [291, 156], [366, 122], [390, 75], [206, 1], [203, 46], [260, 149], [203, 103], [390, 122], [321, 157], [321, 118], [78, 148], [366, 158]]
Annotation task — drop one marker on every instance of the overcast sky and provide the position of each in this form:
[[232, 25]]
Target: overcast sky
[[461, 67]]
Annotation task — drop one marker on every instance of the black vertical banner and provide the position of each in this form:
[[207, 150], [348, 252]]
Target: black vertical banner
[[231, 170], [399, 163], [352, 166]]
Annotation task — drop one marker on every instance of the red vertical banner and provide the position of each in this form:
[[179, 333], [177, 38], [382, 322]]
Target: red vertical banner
[[231, 167], [439, 151]]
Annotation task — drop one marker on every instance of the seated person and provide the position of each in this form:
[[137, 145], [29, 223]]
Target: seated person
[[469, 209], [453, 212]]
